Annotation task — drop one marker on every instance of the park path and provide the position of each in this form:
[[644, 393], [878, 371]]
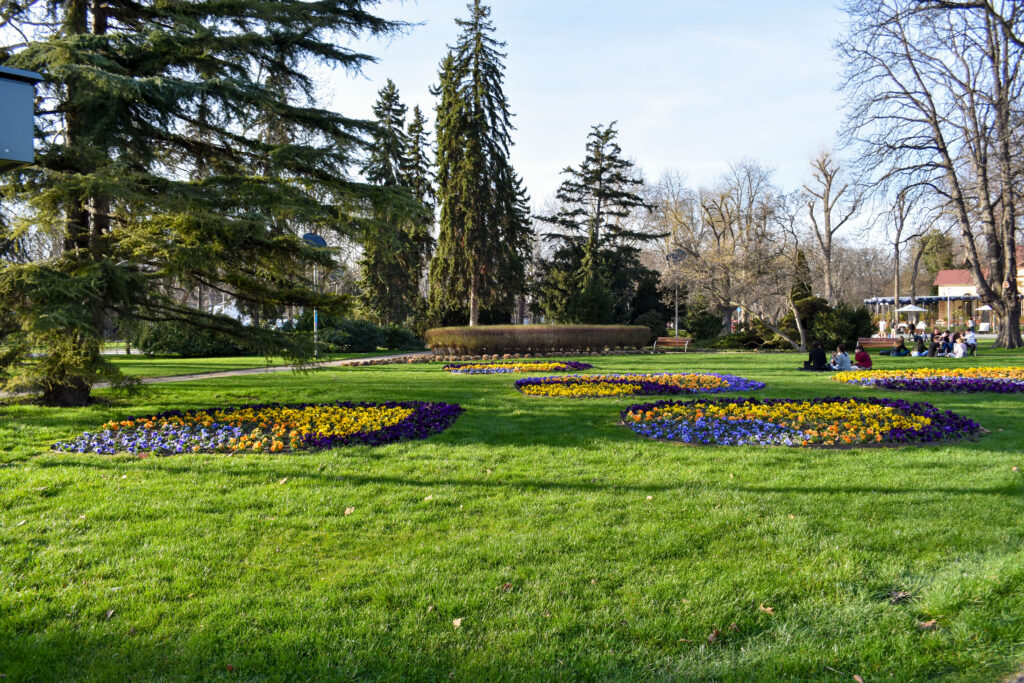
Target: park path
[[261, 370]]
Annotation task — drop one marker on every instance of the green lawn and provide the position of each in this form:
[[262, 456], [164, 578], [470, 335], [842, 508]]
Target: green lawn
[[165, 366], [569, 548]]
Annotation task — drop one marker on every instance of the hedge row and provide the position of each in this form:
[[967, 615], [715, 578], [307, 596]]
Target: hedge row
[[534, 338]]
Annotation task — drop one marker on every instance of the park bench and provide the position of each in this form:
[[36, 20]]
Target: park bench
[[672, 342], [875, 342]]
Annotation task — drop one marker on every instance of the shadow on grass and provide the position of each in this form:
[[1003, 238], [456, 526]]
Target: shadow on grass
[[264, 477]]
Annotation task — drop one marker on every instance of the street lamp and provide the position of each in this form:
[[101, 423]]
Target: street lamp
[[316, 241], [674, 257]]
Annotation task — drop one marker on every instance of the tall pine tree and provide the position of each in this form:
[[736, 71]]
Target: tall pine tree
[[595, 274], [149, 177], [395, 240], [485, 231]]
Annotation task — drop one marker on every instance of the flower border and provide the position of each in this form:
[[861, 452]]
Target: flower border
[[945, 426], [495, 367], [427, 418], [949, 380], [736, 383]]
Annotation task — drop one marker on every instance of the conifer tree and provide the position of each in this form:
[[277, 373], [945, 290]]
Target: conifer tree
[[419, 178], [150, 178], [595, 275], [394, 241], [485, 231]]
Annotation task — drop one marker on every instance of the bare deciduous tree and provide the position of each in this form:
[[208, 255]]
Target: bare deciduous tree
[[831, 203], [936, 92]]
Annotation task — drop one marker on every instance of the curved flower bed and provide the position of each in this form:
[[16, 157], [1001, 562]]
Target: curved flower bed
[[967, 380], [832, 421], [501, 367], [267, 428], [591, 386]]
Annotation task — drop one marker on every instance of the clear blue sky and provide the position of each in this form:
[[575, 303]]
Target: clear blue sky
[[693, 85]]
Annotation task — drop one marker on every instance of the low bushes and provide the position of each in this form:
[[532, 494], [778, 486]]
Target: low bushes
[[534, 338], [176, 338]]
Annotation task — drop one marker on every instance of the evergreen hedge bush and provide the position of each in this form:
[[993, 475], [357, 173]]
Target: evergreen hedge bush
[[481, 339]]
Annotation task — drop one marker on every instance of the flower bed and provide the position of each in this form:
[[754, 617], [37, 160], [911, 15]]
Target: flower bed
[[269, 428], [966, 380], [500, 367], [592, 386], [833, 421]]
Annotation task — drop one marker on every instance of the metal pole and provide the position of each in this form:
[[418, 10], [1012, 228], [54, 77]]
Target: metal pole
[[677, 309], [316, 345]]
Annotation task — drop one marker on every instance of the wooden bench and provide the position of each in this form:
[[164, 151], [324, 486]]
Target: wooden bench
[[875, 342], [672, 342]]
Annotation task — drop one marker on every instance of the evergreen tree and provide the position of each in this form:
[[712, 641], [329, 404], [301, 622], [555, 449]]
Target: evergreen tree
[[150, 178], [485, 230], [596, 251], [419, 178], [395, 241]]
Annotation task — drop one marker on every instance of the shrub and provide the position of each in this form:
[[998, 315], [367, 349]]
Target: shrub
[[353, 335], [842, 325], [174, 338], [401, 339], [655, 323], [701, 324], [536, 338]]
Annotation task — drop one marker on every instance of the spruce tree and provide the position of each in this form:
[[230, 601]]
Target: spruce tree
[[595, 275], [155, 170], [485, 232], [418, 175], [395, 241]]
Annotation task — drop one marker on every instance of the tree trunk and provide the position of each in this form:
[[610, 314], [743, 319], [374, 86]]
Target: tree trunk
[[74, 392], [474, 300], [1009, 336]]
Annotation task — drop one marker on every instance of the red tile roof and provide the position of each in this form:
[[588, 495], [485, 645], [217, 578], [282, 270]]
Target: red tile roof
[[953, 278]]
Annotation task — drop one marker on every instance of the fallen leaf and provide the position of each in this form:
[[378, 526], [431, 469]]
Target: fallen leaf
[[488, 471], [21, 522], [650, 497], [457, 622], [430, 609], [506, 587], [792, 516], [766, 610], [131, 631], [1015, 469], [730, 475], [896, 597], [430, 497], [283, 480], [110, 614], [685, 640], [349, 511], [714, 635], [124, 476], [230, 668], [858, 678], [929, 625], [81, 516], [593, 581], [734, 627], [547, 614]]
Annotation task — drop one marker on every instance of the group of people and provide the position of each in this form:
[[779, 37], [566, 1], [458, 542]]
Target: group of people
[[840, 360], [938, 344]]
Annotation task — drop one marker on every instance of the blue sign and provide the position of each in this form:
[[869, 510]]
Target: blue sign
[[315, 239], [17, 117]]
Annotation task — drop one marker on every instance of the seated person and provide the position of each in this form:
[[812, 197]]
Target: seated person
[[947, 342], [919, 349], [841, 361], [861, 358], [972, 343], [959, 348], [816, 358], [899, 348]]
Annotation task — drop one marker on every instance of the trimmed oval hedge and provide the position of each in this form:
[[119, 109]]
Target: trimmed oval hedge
[[534, 338]]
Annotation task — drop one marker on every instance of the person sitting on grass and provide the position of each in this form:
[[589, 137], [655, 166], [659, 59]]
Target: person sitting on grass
[[899, 348], [919, 349], [959, 348], [816, 358], [972, 343], [861, 358], [841, 361]]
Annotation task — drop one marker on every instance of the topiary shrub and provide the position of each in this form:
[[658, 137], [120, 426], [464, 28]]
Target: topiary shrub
[[653, 321], [844, 324], [701, 324], [481, 339]]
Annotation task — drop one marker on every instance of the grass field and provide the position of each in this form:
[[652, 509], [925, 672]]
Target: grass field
[[166, 366], [569, 548]]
